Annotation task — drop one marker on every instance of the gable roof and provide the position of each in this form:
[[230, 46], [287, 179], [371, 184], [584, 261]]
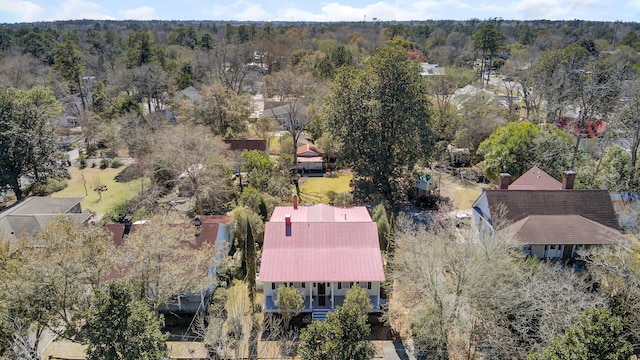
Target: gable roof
[[322, 243], [33, 213], [190, 93], [561, 229], [282, 111], [246, 144], [321, 251], [535, 179], [594, 205], [42, 205], [308, 150]]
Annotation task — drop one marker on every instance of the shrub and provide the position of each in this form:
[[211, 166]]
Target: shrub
[[82, 161], [91, 149], [104, 163], [109, 153], [129, 173], [46, 187], [116, 163]]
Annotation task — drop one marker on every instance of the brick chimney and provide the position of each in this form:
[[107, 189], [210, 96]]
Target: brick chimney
[[295, 202], [505, 179], [287, 225], [568, 178], [127, 226]]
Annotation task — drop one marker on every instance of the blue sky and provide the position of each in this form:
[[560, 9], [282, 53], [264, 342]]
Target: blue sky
[[12, 11]]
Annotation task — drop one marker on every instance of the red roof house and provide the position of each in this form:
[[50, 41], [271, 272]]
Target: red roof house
[[213, 233], [309, 158], [322, 251]]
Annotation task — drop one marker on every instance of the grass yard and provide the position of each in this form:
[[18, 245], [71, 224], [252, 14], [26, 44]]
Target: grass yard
[[116, 192], [314, 190]]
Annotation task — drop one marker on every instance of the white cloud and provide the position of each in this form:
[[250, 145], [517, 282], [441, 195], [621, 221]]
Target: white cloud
[[633, 4], [254, 12], [141, 13], [79, 9], [540, 9], [22, 10]]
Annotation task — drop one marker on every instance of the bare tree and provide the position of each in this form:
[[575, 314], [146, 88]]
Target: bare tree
[[196, 162], [290, 89], [456, 292], [164, 260], [627, 122], [617, 272], [230, 56]]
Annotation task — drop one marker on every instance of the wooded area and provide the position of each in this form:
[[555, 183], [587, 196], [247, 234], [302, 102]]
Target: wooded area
[[167, 97]]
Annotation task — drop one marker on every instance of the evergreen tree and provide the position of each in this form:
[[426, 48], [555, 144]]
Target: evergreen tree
[[27, 141], [122, 327], [380, 114]]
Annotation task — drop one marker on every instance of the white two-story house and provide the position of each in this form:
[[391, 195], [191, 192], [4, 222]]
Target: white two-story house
[[322, 251]]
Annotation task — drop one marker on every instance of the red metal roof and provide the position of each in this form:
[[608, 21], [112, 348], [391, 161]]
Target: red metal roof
[[308, 150], [321, 213], [321, 251], [592, 129]]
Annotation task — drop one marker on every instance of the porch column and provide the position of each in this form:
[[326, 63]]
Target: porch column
[[333, 305], [202, 298], [310, 296], [378, 289], [179, 304]]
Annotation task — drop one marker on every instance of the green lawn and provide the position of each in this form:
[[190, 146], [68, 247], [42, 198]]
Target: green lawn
[[314, 190], [115, 194]]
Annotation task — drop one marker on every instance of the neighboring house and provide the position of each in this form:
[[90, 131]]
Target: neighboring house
[[247, 144], [552, 224], [533, 179], [310, 158], [471, 94], [431, 69], [32, 214], [213, 230], [322, 251], [459, 156], [190, 94], [590, 136], [425, 184], [287, 114]]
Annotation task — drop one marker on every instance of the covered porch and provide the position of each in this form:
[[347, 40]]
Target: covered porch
[[323, 296]]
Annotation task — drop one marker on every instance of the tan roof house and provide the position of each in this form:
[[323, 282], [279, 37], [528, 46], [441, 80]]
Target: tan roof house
[[552, 223]]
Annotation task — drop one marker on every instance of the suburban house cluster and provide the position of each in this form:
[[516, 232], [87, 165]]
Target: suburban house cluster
[[322, 251]]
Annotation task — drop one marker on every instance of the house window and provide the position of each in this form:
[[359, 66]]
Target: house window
[[304, 285], [339, 285], [314, 284], [351, 284], [290, 284], [273, 286], [369, 285]]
